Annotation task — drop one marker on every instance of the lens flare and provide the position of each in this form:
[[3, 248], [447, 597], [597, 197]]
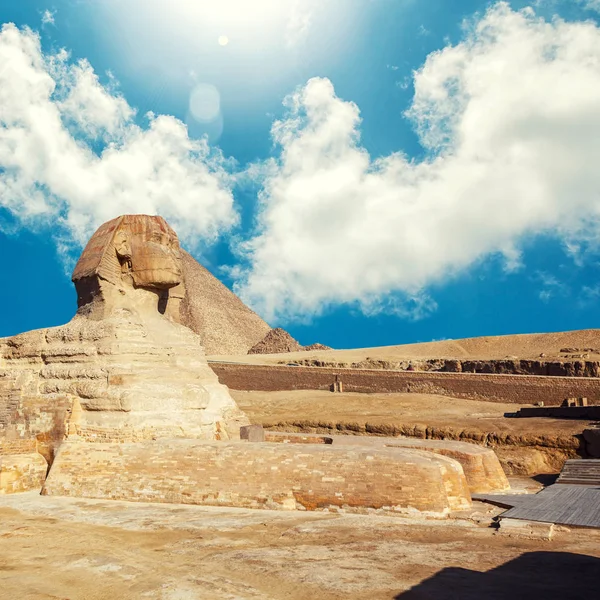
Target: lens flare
[[205, 102]]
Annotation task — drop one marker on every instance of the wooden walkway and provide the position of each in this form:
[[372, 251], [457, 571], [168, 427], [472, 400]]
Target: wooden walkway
[[564, 504], [580, 472]]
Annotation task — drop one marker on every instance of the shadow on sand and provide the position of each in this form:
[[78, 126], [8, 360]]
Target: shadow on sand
[[546, 479], [532, 576]]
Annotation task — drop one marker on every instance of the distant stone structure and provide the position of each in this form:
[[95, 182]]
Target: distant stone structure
[[575, 402], [279, 341], [518, 389], [121, 403], [337, 385], [316, 348], [223, 322], [276, 341]]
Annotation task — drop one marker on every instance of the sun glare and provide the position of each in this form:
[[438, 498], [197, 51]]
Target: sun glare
[[254, 14], [223, 40]]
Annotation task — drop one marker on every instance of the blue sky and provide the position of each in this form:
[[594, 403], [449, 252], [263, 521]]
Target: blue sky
[[362, 173]]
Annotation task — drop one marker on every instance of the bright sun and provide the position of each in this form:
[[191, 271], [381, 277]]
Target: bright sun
[[256, 16]]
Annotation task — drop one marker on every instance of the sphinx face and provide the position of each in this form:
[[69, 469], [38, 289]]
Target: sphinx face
[[152, 257], [130, 252]]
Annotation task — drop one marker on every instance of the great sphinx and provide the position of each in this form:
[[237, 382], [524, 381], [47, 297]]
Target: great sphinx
[[120, 403], [123, 368]]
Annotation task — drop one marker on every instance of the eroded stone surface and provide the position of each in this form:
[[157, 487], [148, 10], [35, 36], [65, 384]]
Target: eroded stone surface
[[481, 465]]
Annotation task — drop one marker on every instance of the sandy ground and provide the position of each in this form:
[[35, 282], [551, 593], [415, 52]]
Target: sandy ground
[[269, 408], [68, 548], [526, 346]]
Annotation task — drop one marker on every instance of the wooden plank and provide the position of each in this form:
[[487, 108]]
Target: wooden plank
[[580, 471], [564, 504], [502, 500]]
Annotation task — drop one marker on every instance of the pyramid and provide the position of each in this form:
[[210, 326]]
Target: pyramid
[[223, 322], [276, 341]]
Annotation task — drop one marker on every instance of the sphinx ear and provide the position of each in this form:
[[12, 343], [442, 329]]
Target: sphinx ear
[[122, 245]]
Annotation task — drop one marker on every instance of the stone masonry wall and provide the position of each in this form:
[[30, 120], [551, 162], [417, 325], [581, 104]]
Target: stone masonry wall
[[17, 446], [259, 475], [519, 389], [22, 472]]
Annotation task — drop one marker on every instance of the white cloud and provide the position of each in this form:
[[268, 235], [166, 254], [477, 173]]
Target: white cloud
[[300, 17], [511, 120], [591, 4], [54, 117], [551, 287], [48, 17]]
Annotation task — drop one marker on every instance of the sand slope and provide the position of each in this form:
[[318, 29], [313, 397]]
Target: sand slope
[[494, 347]]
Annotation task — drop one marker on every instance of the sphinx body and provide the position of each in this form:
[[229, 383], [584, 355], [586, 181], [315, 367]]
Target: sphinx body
[[123, 369], [122, 404]]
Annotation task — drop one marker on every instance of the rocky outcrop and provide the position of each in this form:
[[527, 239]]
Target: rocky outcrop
[[556, 368], [591, 439]]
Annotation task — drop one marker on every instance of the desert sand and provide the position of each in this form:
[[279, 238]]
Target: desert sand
[[525, 346], [66, 548], [428, 410]]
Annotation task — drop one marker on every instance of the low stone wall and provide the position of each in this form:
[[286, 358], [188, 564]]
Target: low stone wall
[[518, 389], [298, 438], [22, 472], [562, 367], [260, 475], [585, 413]]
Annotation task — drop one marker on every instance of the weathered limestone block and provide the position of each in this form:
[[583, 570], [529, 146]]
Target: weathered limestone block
[[261, 475], [252, 433], [481, 465], [22, 472]]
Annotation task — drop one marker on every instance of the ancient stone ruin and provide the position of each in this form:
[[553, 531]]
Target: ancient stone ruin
[[120, 403], [279, 341]]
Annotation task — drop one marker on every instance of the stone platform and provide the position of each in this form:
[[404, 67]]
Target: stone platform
[[481, 466], [260, 475]]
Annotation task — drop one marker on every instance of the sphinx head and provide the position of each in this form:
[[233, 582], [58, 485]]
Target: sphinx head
[[132, 253]]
